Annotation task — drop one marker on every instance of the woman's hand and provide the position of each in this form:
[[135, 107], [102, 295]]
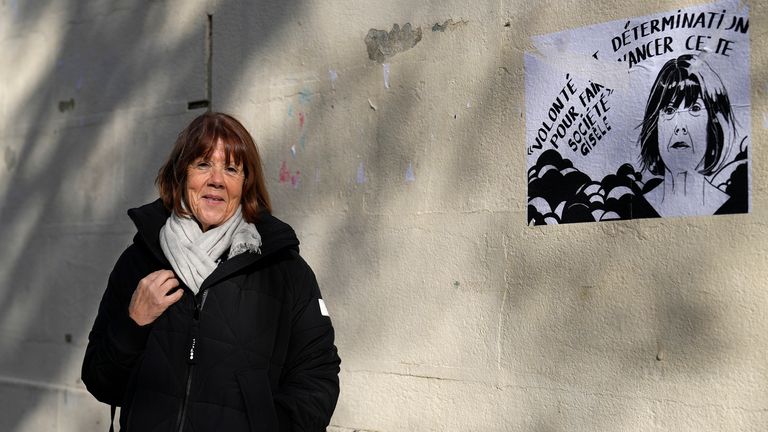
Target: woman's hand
[[153, 296]]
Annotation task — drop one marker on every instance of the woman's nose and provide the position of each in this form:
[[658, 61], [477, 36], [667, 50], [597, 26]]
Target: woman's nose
[[216, 178], [681, 129]]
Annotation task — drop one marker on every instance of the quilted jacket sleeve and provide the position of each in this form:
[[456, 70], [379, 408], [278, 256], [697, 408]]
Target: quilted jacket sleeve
[[310, 383], [115, 341]]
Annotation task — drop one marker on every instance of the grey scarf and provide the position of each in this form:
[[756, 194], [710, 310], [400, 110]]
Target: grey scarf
[[193, 253]]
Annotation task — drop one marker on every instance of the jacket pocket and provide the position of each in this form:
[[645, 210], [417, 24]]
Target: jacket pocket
[[258, 400]]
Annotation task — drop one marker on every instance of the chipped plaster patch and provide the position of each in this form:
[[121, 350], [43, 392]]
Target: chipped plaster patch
[[449, 25], [382, 45]]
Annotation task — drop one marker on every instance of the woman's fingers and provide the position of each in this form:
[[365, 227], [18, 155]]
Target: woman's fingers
[[154, 294], [168, 285], [154, 275], [174, 297], [161, 276]]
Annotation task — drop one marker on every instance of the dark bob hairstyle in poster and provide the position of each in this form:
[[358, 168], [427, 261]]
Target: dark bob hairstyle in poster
[[681, 81]]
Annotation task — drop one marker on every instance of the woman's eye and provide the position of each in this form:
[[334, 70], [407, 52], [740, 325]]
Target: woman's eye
[[203, 165], [668, 110], [233, 170], [696, 108]]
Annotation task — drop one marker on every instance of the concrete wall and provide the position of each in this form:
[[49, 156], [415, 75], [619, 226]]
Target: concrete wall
[[410, 201]]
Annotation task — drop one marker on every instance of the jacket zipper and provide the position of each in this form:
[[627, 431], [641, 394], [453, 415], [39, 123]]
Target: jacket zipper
[[191, 360]]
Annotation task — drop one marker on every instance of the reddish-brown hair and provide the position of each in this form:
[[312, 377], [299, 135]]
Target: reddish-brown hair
[[199, 139]]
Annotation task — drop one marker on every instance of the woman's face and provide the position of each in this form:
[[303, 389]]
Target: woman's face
[[682, 135], [214, 188]]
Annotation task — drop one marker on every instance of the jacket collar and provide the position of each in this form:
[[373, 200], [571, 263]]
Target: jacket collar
[[276, 236]]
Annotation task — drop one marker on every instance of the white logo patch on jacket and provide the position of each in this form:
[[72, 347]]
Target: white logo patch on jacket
[[323, 309]]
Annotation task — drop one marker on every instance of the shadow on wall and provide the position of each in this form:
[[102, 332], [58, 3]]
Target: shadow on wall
[[603, 323], [573, 331], [95, 94], [603, 338]]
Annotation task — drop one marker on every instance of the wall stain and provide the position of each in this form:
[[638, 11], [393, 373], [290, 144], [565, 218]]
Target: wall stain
[[382, 45], [285, 174], [361, 178], [67, 105], [410, 177], [333, 75], [386, 69], [449, 25], [661, 353], [305, 96], [505, 70], [10, 158]]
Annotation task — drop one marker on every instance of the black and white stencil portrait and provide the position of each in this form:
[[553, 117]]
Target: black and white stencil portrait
[[640, 118]]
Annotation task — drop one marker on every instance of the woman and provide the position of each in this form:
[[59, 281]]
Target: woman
[[687, 134], [211, 320]]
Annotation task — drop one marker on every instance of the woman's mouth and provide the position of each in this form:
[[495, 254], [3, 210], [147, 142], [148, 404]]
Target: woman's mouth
[[213, 199], [680, 145]]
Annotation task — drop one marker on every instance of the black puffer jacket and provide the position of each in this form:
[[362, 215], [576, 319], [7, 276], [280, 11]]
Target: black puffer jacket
[[253, 351]]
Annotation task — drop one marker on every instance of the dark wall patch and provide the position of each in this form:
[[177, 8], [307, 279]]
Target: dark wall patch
[[67, 105], [448, 25], [382, 45], [198, 104]]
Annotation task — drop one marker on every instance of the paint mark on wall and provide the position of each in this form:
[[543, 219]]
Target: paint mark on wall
[[305, 96], [661, 353], [449, 25], [67, 105], [301, 120], [290, 110], [285, 175], [361, 174], [293, 151], [333, 76], [303, 142], [382, 45], [386, 75], [410, 177], [296, 179]]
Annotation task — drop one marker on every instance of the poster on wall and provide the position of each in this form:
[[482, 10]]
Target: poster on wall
[[640, 118]]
